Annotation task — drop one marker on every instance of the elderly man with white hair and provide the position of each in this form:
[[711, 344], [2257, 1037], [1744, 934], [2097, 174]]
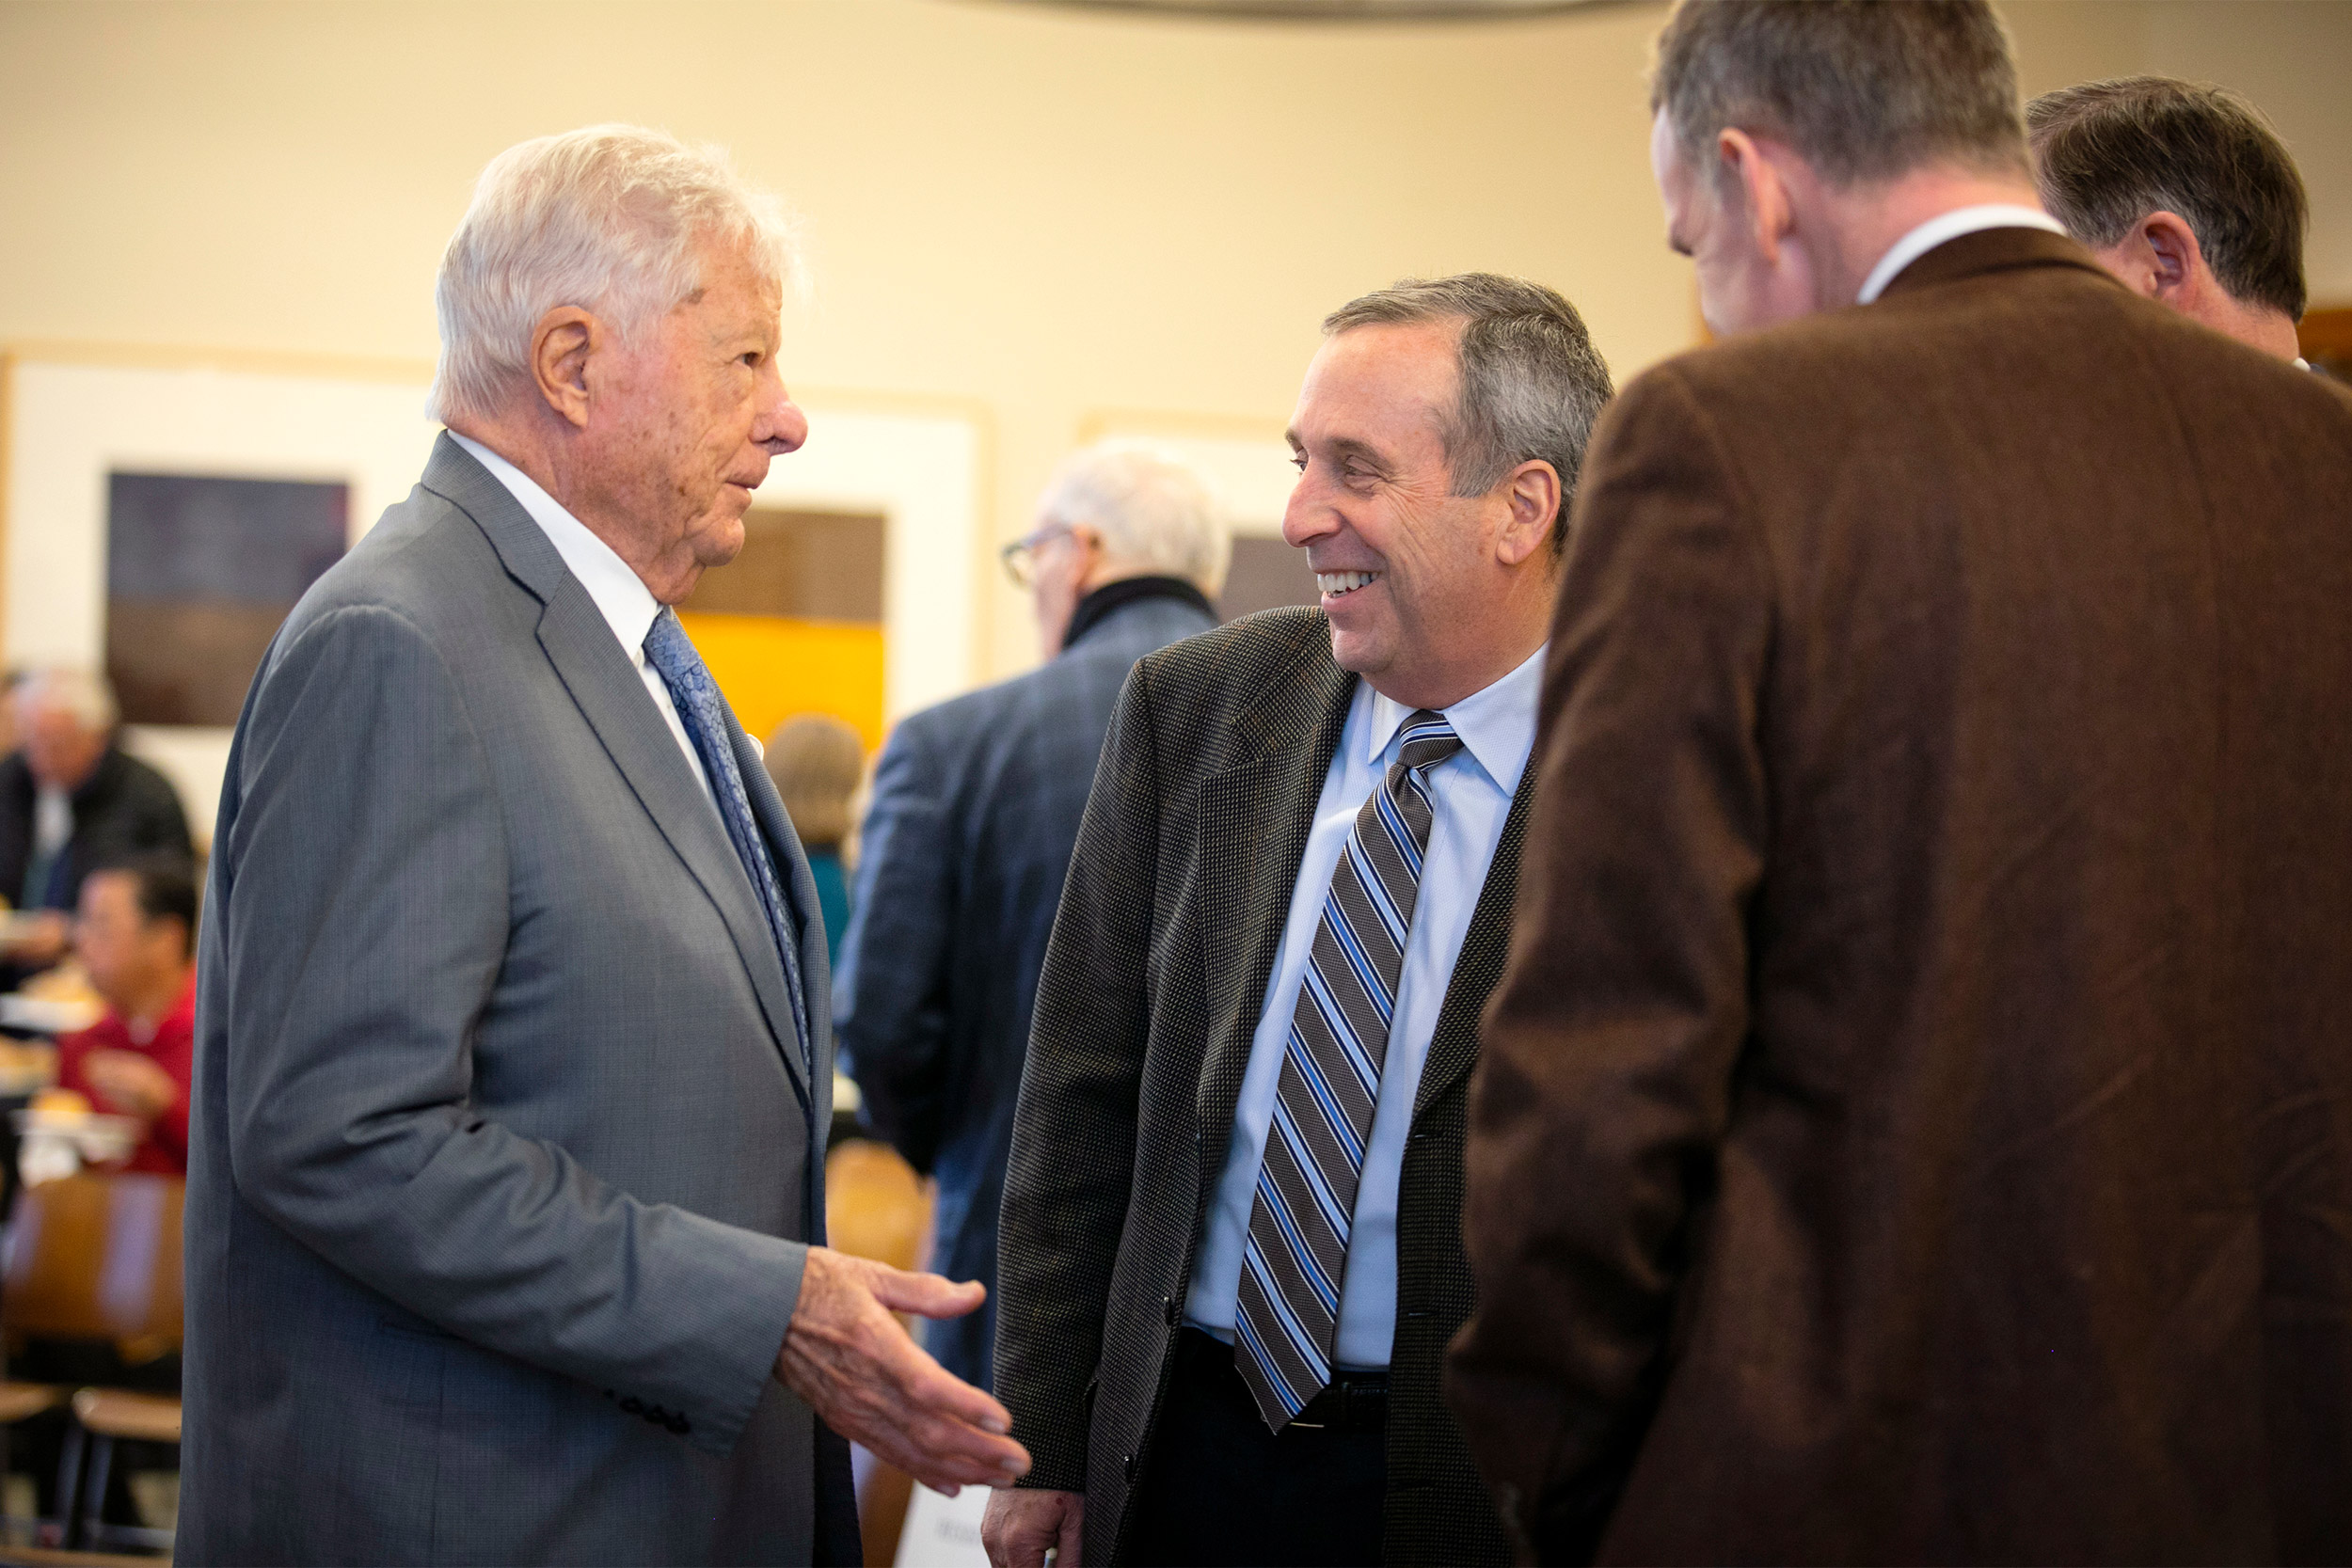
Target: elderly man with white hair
[[505, 1193], [72, 800], [975, 814]]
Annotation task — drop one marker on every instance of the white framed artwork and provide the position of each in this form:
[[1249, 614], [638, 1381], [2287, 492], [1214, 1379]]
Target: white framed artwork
[[75, 419]]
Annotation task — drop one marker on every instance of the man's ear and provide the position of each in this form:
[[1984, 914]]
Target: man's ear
[[2178, 259], [1742, 167], [1532, 492], [565, 341]]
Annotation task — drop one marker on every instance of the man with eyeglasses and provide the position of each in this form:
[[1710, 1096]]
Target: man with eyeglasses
[[965, 846]]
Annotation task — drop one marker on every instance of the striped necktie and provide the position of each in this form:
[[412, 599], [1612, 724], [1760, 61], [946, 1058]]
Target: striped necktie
[[1296, 1254], [671, 654]]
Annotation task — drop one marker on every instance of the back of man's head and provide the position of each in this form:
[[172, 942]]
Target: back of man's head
[[2108, 154], [1531, 383], [1154, 512], [1864, 91]]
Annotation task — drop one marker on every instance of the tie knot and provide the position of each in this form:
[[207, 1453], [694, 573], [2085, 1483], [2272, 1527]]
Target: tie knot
[[1426, 740], [668, 649]]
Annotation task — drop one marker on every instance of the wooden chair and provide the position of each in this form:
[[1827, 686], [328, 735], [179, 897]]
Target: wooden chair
[[876, 1206], [108, 1414], [97, 1257]]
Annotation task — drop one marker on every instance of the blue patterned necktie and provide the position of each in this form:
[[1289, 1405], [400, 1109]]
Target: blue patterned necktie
[[1296, 1256], [696, 696]]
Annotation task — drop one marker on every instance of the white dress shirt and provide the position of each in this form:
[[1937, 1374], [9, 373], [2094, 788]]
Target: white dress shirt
[[1471, 796], [613, 586], [1950, 225]]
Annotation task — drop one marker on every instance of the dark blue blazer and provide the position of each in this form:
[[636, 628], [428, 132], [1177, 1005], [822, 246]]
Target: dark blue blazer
[[975, 814]]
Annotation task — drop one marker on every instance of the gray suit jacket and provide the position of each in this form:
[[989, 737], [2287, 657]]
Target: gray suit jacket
[[501, 1174], [976, 810]]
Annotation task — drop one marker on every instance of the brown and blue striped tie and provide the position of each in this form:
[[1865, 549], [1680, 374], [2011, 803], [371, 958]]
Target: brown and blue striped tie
[[1296, 1256]]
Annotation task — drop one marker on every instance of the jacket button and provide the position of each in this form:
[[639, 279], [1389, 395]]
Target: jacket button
[[1128, 1464], [1168, 1309]]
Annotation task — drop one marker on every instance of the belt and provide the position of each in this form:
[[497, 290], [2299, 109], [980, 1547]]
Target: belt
[[1354, 1400]]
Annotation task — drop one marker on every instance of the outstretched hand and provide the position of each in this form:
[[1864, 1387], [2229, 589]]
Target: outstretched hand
[[857, 1367]]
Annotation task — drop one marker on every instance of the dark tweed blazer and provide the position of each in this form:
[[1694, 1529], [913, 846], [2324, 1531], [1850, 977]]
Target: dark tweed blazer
[[1929, 1021], [1152, 986]]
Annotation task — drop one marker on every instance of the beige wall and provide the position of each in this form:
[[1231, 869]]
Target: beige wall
[[1050, 212]]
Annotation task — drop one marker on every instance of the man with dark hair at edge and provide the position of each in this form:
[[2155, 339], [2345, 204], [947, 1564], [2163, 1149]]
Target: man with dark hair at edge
[[2187, 194]]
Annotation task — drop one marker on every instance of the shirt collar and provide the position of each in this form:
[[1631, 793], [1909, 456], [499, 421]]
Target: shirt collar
[[1950, 226], [618, 592], [1497, 724]]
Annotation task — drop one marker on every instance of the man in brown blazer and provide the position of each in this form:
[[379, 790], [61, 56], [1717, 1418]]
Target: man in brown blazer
[[1231, 1255], [1915, 1122]]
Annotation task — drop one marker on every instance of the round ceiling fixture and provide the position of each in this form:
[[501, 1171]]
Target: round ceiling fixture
[[1340, 11]]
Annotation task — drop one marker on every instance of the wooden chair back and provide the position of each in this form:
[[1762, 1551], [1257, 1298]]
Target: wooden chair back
[[875, 1205], [97, 1257]]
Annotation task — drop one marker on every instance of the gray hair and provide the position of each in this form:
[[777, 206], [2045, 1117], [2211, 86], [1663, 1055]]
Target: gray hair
[[2108, 153], [86, 695], [1153, 510], [607, 219], [1532, 383], [1862, 89]]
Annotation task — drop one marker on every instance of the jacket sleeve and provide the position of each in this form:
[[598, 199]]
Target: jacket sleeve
[[1074, 1138], [362, 922], [1605, 1075], [890, 1000]]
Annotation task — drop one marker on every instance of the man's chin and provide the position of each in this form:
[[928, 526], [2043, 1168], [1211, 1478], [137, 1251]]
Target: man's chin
[[1357, 652], [719, 541]]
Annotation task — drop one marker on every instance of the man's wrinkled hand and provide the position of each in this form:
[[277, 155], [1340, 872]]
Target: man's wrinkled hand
[[856, 1367], [1023, 1524]]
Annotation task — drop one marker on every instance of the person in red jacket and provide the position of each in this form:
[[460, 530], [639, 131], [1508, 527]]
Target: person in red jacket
[[135, 933]]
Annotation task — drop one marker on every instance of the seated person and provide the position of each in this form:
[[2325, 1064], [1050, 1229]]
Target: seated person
[[135, 938], [72, 799]]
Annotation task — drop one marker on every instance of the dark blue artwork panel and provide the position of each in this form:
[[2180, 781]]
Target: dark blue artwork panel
[[201, 571], [230, 541]]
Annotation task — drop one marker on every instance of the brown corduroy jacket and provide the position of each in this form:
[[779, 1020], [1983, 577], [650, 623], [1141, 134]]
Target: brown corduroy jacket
[[1153, 982], [1915, 1124]]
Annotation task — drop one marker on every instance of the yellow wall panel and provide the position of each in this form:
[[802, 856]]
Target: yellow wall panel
[[770, 667]]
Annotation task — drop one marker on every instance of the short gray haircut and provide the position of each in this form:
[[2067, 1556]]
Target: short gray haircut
[[1863, 90], [1531, 383], [2108, 153], [85, 694], [608, 219], [1154, 510]]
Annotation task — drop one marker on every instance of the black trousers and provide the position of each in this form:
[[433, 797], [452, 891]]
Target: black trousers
[[1218, 1489]]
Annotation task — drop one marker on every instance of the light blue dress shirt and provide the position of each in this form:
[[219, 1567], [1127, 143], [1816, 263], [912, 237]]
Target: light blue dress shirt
[[1471, 795]]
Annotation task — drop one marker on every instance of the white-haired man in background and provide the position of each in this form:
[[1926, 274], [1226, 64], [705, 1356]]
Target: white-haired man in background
[[975, 814], [72, 800], [512, 1063]]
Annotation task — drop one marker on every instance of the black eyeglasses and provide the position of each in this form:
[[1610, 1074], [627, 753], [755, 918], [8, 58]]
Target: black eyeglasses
[[1020, 557]]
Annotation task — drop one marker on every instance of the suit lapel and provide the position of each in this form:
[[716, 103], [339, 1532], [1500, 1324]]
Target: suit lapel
[[1255, 818], [612, 696], [1453, 1045]]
